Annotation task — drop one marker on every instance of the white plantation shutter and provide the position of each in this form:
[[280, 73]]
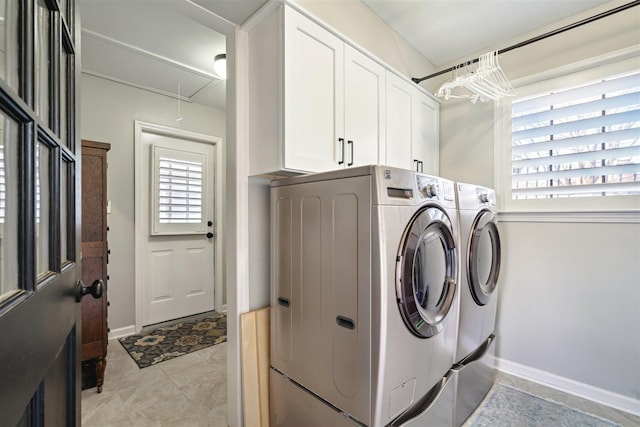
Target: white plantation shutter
[[579, 141], [178, 191]]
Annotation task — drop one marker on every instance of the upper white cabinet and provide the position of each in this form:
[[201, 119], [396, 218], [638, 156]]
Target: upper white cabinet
[[412, 127], [316, 103], [313, 95], [400, 94], [364, 110], [425, 142]]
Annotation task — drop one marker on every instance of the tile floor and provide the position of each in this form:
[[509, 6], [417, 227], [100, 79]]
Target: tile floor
[[191, 391], [625, 419], [188, 391]]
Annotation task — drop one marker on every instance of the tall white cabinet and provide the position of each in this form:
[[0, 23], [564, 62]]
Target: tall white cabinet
[[318, 104]]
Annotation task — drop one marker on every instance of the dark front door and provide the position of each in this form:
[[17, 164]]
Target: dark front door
[[39, 207]]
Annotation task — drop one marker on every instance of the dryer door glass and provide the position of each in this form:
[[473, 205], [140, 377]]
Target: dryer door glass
[[484, 257], [426, 273]]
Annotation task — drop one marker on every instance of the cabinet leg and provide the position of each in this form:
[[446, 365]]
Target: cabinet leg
[[101, 364]]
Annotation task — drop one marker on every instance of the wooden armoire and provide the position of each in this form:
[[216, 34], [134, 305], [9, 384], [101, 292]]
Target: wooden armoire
[[94, 262]]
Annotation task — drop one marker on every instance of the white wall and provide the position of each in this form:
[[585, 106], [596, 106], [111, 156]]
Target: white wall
[[570, 291], [108, 112], [570, 301]]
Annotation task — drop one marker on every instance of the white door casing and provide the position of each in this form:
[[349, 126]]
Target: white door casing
[[175, 269]]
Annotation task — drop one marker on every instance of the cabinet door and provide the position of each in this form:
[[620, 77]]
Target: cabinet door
[[364, 107], [425, 133], [314, 88], [399, 122]]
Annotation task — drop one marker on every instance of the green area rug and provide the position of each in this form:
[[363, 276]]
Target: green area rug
[[167, 342], [508, 407]]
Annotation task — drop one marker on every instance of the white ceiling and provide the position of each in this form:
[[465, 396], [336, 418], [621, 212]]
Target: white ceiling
[[448, 30], [153, 45], [150, 44]]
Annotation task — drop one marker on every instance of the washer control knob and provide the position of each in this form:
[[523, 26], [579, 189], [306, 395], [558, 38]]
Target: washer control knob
[[484, 198], [431, 190]]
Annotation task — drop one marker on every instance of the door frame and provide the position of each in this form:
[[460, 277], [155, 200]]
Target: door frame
[[141, 235]]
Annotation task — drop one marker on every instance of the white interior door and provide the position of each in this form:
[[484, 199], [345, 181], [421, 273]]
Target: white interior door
[[177, 220]]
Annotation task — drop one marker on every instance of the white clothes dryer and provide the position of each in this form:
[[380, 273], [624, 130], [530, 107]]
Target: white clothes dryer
[[364, 298], [474, 372]]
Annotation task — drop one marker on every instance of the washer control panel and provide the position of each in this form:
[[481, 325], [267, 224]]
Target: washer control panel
[[431, 187], [427, 187]]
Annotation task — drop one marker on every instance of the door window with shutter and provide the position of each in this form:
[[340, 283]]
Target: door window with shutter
[[179, 182]]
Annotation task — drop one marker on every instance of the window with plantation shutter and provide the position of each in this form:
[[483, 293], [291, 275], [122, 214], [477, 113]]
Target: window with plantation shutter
[[576, 137], [582, 141], [178, 199]]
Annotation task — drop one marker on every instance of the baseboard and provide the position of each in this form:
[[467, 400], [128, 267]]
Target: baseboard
[[585, 391], [122, 332]]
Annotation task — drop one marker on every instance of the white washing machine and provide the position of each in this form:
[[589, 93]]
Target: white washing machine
[[474, 372], [364, 299]]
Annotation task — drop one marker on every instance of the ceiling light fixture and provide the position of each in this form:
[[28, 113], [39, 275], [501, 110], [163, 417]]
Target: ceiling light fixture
[[220, 66]]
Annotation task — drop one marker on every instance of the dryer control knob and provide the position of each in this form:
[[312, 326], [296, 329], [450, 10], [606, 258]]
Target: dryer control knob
[[484, 197]]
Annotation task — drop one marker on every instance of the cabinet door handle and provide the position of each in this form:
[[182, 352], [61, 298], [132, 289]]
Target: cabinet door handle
[[341, 142], [417, 163], [351, 145], [421, 166]]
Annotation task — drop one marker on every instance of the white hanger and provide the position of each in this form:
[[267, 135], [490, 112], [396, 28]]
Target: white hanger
[[487, 82]]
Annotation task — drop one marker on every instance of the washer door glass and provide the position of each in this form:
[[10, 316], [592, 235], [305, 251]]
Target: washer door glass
[[426, 272], [484, 257]]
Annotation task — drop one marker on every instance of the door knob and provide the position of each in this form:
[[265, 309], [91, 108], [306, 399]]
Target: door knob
[[210, 235], [95, 289]]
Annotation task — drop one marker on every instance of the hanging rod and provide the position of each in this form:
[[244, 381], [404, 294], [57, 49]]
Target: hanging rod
[[538, 38]]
